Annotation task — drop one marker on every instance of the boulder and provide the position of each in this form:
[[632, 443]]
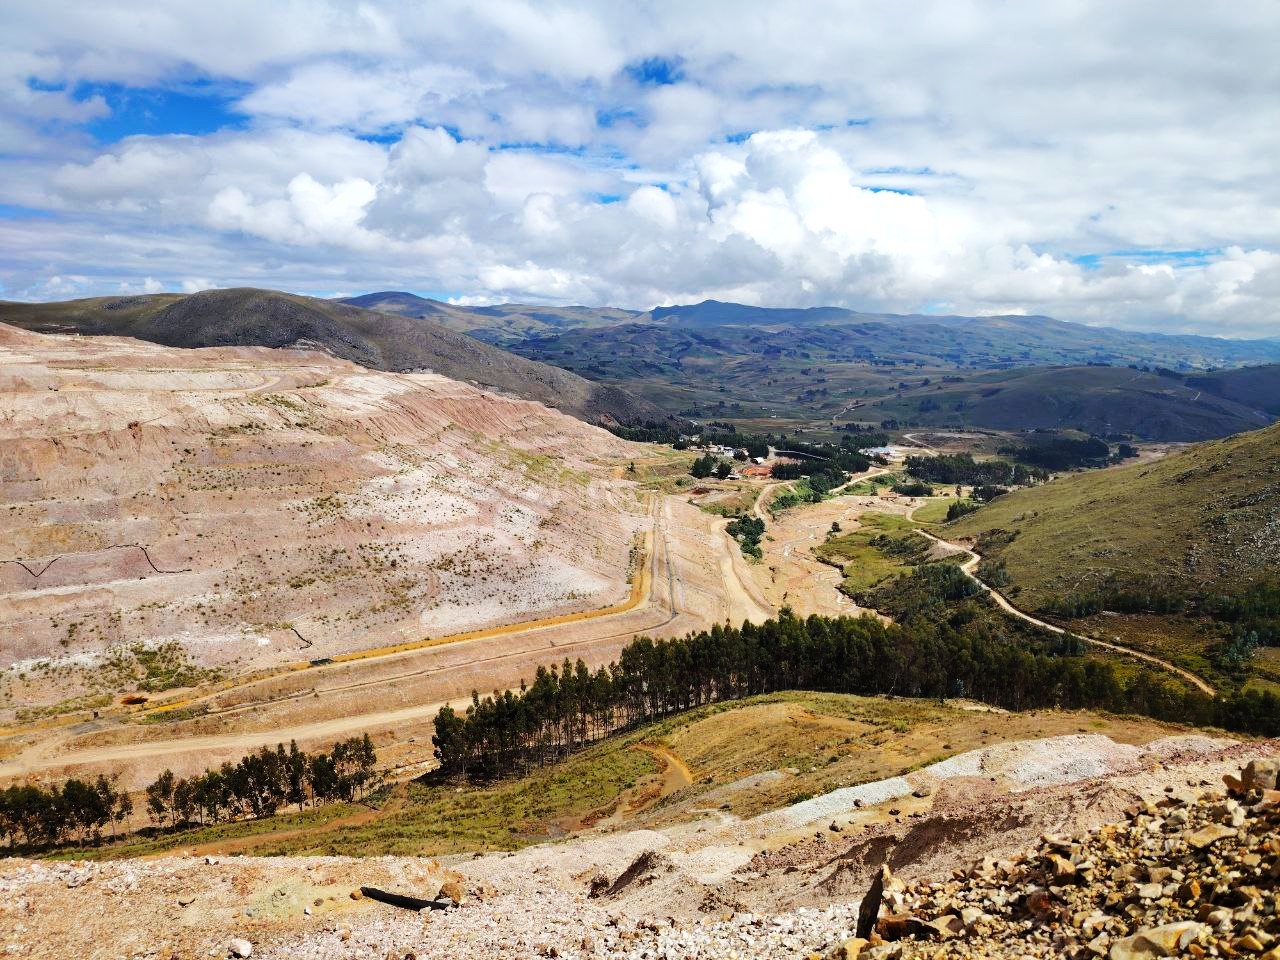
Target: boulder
[[944, 928], [1207, 836], [850, 949], [1261, 774], [239, 947], [1164, 941]]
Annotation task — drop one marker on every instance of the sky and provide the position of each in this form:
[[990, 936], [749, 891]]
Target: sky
[[1112, 163]]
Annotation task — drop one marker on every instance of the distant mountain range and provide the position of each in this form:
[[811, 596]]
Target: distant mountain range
[[382, 341], [783, 368], [764, 368], [833, 333]]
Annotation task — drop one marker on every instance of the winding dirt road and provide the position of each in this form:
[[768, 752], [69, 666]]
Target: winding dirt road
[[971, 564]]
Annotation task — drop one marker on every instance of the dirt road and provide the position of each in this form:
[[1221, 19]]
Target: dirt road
[[790, 574], [971, 564], [763, 498]]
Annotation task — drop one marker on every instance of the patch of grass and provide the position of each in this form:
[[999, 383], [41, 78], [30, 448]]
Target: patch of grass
[[883, 546], [806, 744], [450, 818], [871, 487], [90, 701], [151, 842], [935, 511]]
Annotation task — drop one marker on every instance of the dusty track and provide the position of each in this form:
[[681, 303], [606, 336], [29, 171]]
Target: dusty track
[[970, 565], [789, 572]]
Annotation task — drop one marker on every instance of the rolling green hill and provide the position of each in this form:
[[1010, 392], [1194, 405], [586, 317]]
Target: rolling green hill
[[495, 324], [1207, 517], [729, 361], [1093, 399], [1253, 386], [383, 341], [1179, 557]]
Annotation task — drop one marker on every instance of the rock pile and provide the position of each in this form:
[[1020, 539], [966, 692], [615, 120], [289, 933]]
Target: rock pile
[[1195, 875]]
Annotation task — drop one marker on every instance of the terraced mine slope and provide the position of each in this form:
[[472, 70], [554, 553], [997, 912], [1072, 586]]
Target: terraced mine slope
[[383, 341], [169, 514]]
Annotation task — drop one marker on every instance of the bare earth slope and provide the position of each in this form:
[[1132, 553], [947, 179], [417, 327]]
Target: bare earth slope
[[383, 341], [259, 506]]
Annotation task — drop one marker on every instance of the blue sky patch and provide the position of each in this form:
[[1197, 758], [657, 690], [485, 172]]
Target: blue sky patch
[[616, 115], [12, 211], [195, 109], [656, 71], [1181, 258]]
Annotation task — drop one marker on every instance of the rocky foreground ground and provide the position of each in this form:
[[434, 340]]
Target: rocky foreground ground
[[1072, 846], [1184, 875]]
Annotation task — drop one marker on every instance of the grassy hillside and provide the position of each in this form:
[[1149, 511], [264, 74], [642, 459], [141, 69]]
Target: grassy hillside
[[743, 758], [1208, 516], [383, 341], [1094, 399], [1145, 554], [495, 324], [1253, 386]]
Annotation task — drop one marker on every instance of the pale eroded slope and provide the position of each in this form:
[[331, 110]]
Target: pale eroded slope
[[261, 506]]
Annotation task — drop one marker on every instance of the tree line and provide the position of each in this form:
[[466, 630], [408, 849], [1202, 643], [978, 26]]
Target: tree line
[[261, 784], [75, 811], [709, 465], [961, 468], [965, 653], [747, 531], [1054, 452]]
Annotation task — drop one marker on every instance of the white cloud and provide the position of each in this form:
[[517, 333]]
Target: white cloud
[[968, 155], [146, 285]]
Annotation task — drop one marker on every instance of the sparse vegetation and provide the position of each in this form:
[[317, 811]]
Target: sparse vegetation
[[747, 531]]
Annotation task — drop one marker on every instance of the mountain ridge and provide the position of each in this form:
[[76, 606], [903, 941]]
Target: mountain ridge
[[248, 316]]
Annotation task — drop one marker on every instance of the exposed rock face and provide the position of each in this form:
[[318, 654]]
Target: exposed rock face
[[257, 506], [1183, 875]]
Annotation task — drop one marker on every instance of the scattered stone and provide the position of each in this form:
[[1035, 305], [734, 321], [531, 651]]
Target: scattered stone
[[1261, 774], [1211, 834], [1179, 877], [239, 947]]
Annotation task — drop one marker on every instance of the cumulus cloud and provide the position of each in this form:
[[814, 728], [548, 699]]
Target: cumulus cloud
[[973, 157]]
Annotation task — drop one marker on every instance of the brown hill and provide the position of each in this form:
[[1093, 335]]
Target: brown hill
[[382, 341]]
